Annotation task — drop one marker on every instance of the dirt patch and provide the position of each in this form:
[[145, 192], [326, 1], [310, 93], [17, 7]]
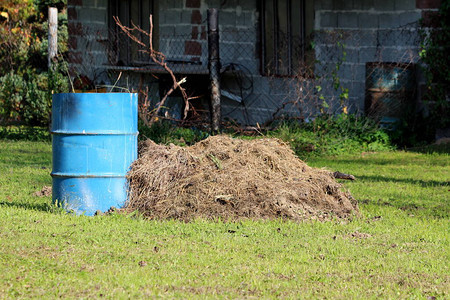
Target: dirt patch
[[45, 192], [227, 178], [358, 235]]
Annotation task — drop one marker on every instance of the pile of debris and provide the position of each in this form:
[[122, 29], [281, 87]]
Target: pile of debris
[[231, 179]]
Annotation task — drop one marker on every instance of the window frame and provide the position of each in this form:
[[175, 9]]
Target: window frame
[[275, 71]]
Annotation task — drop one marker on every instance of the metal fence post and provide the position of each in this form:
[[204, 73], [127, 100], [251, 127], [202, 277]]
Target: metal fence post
[[214, 67]]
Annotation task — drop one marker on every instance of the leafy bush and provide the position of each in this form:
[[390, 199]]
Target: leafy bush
[[326, 135], [26, 83], [166, 132], [333, 135], [30, 133]]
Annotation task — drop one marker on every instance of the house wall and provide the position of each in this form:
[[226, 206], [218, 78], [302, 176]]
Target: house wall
[[367, 30]]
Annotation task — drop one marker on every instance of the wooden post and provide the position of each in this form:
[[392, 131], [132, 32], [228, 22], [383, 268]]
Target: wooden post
[[52, 34], [214, 67]]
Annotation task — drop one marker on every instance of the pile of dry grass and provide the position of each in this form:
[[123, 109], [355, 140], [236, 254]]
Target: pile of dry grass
[[227, 178]]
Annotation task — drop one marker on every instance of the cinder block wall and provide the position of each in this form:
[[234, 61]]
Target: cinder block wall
[[88, 36], [368, 30]]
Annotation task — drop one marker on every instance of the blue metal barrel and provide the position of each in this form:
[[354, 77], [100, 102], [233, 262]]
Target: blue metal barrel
[[94, 143], [390, 91]]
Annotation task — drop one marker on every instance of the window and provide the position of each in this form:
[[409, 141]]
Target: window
[[284, 27], [125, 52]]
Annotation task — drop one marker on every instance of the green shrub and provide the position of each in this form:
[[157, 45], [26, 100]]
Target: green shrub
[[12, 91], [333, 135], [26, 83], [30, 133], [166, 132], [326, 135]]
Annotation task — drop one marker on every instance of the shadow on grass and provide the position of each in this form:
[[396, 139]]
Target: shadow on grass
[[45, 207], [442, 149], [423, 183]]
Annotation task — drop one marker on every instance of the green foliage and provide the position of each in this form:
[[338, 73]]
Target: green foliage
[[333, 135], [326, 135], [26, 83], [12, 90], [166, 132], [15, 133]]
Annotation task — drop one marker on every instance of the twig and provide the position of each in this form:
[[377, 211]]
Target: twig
[[118, 78], [160, 59]]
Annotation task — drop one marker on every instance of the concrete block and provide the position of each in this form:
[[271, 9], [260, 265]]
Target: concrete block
[[184, 30], [227, 18], [345, 72], [358, 71], [186, 16], [351, 55], [324, 5], [246, 19], [384, 5], [366, 4], [328, 19], [368, 54], [176, 3], [229, 4], [343, 5], [367, 20], [92, 15], [166, 30], [261, 84], [357, 88], [248, 4], [388, 20], [398, 38], [409, 18], [170, 17], [364, 38], [405, 4], [89, 3], [397, 54], [213, 3], [101, 4], [348, 20], [164, 5]]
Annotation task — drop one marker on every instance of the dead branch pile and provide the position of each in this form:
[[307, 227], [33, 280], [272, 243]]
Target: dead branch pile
[[230, 179]]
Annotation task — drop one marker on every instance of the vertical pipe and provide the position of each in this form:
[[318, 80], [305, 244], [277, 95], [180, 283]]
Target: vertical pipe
[[263, 37], [275, 35], [52, 34], [214, 67], [302, 30], [289, 35]]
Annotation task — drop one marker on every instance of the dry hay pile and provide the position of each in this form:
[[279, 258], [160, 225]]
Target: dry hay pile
[[227, 178]]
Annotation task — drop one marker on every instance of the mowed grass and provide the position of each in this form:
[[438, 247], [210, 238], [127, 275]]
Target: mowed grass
[[398, 248]]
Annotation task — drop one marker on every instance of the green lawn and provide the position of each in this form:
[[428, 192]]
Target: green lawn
[[399, 248]]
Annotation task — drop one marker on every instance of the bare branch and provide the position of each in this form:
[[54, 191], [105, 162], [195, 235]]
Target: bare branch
[[160, 59]]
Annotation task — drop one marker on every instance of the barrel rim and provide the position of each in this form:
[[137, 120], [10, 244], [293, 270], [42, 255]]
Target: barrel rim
[[112, 132], [93, 93]]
